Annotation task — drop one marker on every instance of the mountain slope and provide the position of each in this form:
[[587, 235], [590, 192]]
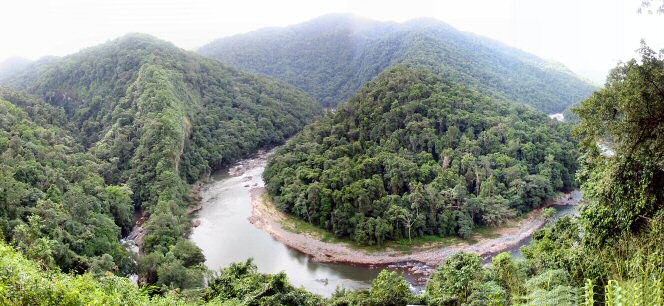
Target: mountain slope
[[414, 154], [331, 57], [163, 117], [13, 65], [52, 194]]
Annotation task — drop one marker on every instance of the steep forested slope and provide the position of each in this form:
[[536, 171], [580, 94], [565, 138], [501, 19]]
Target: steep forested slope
[[415, 154], [54, 203], [609, 255], [160, 118], [333, 56]]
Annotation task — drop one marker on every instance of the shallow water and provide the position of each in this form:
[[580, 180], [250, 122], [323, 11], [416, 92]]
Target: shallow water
[[226, 236], [561, 211]]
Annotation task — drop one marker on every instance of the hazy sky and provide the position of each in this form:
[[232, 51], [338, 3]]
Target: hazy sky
[[589, 36]]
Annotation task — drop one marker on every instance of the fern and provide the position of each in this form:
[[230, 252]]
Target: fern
[[588, 293], [648, 292]]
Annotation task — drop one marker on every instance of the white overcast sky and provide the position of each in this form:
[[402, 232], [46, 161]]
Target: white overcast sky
[[588, 36]]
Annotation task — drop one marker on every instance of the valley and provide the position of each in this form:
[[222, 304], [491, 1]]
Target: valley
[[336, 161], [236, 223]]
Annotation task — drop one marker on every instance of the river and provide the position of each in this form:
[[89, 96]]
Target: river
[[225, 235], [561, 211]]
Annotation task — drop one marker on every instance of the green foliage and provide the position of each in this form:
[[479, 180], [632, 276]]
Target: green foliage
[[131, 124], [54, 203], [588, 293], [633, 293], [626, 190], [159, 118], [613, 253], [507, 273], [489, 294], [23, 282], [415, 155], [620, 226], [454, 281], [548, 213], [241, 284], [333, 56], [390, 289]]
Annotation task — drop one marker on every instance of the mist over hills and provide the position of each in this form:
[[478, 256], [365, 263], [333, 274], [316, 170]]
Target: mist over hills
[[437, 138], [332, 56], [12, 65]]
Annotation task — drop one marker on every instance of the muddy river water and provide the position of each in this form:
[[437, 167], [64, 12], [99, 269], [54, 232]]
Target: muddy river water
[[225, 235]]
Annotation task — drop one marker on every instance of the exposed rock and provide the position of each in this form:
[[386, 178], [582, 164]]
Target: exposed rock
[[194, 209], [420, 261]]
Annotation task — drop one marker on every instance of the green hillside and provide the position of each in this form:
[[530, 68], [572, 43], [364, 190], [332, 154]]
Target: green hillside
[[127, 125], [414, 154], [333, 56], [159, 118], [56, 206]]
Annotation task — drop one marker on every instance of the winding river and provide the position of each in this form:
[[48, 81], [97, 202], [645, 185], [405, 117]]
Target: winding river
[[225, 235]]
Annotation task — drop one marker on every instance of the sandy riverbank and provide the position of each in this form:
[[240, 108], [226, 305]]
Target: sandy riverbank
[[269, 219]]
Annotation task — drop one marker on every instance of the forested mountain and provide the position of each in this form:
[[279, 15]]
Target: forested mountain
[[13, 65], [332, 56], [610, 255], [54, 203], [153, 117], [415, 154]]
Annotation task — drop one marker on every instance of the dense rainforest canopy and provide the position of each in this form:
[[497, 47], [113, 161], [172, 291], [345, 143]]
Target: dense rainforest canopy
[[126, 127], [333, 56], [53, 201], [148, 117], [415, 154]]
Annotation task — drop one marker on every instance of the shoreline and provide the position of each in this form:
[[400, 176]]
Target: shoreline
[[268, 218]]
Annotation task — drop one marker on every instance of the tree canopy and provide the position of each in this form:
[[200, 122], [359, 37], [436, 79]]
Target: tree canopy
[[152, 119], [414, 154], [333, 56], [626, 190], [129, 124], [54, 203]]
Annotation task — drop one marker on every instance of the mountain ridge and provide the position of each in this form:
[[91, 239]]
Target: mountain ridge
[[163, 118], [332, 56]]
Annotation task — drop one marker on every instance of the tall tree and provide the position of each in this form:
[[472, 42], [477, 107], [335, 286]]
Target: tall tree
[[625, 189]]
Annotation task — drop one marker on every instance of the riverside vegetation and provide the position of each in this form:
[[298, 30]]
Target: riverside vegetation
[[414, 155], [122, 127], [87, 140]]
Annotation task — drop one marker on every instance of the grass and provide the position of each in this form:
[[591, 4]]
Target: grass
[[488, 232], [427, 241]]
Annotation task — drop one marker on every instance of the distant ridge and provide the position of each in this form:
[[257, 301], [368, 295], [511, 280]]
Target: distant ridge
[[12, 65], [332, 56]]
